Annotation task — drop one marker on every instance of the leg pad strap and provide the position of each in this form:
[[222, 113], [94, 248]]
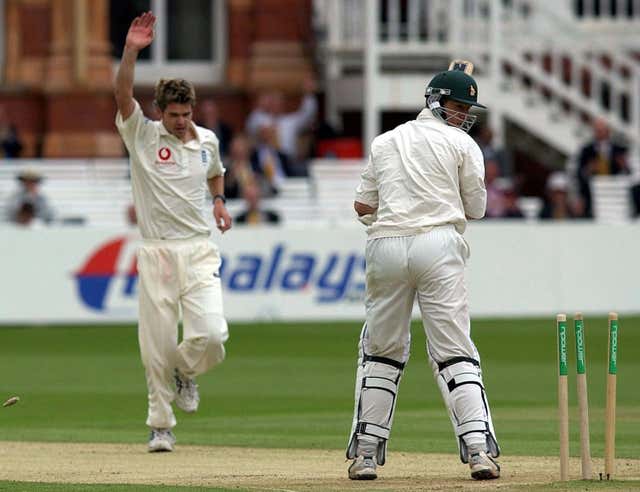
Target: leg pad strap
[[371, 429]]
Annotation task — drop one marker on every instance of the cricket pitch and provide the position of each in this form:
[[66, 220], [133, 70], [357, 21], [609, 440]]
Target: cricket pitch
[[266, 469]]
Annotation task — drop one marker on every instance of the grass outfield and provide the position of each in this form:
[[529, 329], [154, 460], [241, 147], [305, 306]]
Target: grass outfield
[[291, 385]]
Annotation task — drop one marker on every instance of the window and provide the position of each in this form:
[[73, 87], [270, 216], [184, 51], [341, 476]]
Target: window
[[120, 16], [189, 42], [189, 25]]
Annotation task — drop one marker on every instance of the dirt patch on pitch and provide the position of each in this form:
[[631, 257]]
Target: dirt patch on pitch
[[264, 469]]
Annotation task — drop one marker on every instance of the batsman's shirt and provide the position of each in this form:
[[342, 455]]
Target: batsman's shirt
[[422, 174], [168, 177]]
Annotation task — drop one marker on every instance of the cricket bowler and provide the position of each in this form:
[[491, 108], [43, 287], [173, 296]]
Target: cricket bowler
[[172, 162]]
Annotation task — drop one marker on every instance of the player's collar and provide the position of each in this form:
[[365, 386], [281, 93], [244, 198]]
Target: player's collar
[[425, 114], [195, 142], [163, 131]]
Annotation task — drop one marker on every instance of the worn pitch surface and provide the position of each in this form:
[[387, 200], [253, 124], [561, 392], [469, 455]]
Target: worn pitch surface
[[265, 469]]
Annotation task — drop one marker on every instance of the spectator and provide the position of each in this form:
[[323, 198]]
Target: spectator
[[268, 162], [9, 138], [601, 156], [254, 214], [239, 170], [635, 200], [510, 200], [25, 215], [263, 113], [484, 138], [29, 192], [557, 205], [210, 118], [289, 126]]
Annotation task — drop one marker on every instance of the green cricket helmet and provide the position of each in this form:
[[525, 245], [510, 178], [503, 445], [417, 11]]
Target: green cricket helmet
[[457, 86]]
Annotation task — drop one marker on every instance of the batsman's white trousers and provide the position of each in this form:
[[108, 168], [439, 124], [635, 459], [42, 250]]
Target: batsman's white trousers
[[174, 275], [429, 267]]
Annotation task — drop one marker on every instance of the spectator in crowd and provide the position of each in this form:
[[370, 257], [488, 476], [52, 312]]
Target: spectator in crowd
[[263, 113], [510, 201], [288, 126], [557, 204], [30, 193], [239, 170], [601, 156], [635, 199], [25, 215], [210, 118], [254, 213], [495, 195], [268, 162], [9, 139], [490, 152]]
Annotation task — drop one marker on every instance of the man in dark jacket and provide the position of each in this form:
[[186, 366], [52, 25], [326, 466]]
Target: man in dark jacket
[[600, 156]]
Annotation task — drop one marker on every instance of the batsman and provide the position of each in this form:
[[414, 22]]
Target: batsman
[[423, 181]]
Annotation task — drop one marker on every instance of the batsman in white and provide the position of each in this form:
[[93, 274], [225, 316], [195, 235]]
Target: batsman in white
[[424, 179], [172, 160]]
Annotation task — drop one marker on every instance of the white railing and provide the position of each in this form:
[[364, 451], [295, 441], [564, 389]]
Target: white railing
[[607, 10], [564, 62], [421, 24], [579, 83], [539, 46], [409, 24]]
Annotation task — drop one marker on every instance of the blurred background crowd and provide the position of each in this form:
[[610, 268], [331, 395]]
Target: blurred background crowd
[[284, 87]]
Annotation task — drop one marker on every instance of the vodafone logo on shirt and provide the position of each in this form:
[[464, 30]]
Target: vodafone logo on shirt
[[164, 156]]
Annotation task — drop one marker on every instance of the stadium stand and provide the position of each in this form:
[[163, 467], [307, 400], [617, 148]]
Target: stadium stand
[[611, 198], [92, 192], [334, 185], [97, 192]]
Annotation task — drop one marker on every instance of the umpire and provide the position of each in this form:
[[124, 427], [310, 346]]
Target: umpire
[[424, 179]]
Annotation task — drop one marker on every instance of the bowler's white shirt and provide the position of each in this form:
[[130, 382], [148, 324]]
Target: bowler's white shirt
[[169, 177], [422, 174]]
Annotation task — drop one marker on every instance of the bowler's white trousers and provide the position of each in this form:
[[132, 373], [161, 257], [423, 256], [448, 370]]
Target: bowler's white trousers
[[173, 275], [429, 267]]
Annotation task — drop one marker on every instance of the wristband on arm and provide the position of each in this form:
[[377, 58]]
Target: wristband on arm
[[219, 197]]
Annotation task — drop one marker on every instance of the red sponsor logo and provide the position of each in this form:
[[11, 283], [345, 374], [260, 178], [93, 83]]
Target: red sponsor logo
[[165, 156], [164, 153]]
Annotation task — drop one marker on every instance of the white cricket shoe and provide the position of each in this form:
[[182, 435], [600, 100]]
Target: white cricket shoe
[[363, 468], [187, 396], [161, 440], [483, 466]]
